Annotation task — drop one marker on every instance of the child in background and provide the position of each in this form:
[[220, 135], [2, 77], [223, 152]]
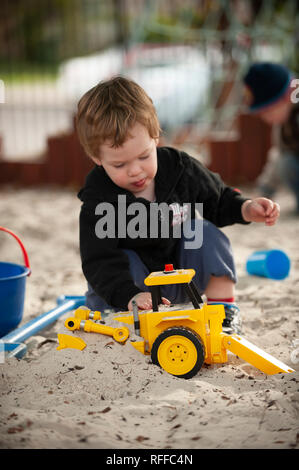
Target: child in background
[[119, 129], [269, 94]]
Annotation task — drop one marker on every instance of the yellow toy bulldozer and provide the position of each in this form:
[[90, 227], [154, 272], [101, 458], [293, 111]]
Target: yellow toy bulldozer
[[178, 338], [181, 340]]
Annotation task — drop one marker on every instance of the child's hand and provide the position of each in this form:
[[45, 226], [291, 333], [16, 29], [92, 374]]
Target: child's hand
[[144, 301], [260, 209]]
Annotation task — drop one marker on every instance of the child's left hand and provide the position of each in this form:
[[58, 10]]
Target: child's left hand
[[260, 209]]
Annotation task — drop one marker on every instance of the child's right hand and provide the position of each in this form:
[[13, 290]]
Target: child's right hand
[[144, 301]]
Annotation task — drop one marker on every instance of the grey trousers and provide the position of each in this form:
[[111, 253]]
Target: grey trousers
[[213, 258]]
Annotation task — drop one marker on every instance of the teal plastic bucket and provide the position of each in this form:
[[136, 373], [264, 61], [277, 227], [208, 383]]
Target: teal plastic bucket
[[12, 290], [274, 264]]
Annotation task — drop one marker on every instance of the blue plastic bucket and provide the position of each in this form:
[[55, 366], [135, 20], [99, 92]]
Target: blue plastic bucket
[[12, 290], [274, 264]]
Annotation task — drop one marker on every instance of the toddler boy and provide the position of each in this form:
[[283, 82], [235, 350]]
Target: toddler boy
[[119, 129]]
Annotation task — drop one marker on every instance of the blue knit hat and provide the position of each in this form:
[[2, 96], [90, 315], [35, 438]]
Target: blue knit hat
[[267, 82]]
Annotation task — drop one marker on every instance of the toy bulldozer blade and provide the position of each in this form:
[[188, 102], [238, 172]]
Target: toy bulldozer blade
[[254, 355]]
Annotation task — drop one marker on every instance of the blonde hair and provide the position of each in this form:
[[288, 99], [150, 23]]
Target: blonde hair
[[109, 110]]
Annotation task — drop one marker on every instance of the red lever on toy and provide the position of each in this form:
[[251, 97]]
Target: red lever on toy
[[168, 268]]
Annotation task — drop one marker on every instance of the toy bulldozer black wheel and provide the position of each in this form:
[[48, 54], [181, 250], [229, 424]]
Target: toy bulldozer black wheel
[[179, 351]]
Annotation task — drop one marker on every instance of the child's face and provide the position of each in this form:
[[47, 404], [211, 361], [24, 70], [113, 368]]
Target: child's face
[[133, 166]]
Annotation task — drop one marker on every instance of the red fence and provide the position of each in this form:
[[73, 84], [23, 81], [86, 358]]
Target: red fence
[[241, 159], [237, 160]]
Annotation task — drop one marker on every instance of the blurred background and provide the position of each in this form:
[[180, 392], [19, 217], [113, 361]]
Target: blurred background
[[189, 56]]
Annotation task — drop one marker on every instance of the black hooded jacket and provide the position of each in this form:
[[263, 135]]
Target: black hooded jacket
[[180, 179]]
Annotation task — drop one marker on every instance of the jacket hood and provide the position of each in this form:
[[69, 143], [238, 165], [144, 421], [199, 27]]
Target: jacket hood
[[98, 185]]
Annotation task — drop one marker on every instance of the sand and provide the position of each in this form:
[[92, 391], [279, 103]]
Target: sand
[[111, 396]]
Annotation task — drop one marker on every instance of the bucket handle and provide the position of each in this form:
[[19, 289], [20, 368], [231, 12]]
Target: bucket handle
[[25, 255]]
